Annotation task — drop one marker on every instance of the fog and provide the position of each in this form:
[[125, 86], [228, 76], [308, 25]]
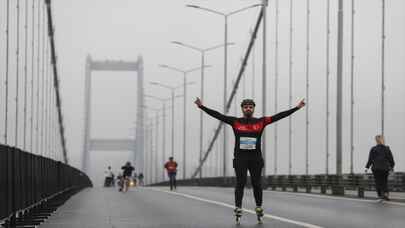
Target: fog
[[125, 29]]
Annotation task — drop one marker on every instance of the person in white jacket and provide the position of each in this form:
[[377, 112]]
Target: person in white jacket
[[109, 177]]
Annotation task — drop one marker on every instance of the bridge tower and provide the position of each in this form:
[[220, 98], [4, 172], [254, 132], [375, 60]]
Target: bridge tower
[[135, 146]]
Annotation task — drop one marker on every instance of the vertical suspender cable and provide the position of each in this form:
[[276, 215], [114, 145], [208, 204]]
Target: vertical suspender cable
[[327, 84], [244, 82], [383, 67], [145, 139], [235, 110], [32, 76], [25, 74], [152, 150], [51, 128], [44, 46], [152, 146], [351, 86], [45, 98], [7, 70], [17, 74], [157, 147], [44, 90], [307, 93], [163, 138], [48, 96], [339, 85], [253, 69], [264, 84], [54, 128], [47, 76], [49, 108], [38, 79], [290, 62], [276, 90]]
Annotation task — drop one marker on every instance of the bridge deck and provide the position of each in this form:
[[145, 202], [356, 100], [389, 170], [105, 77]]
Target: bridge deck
[[212, 207]]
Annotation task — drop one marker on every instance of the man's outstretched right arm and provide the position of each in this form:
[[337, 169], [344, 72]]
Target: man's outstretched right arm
[[215, 114]]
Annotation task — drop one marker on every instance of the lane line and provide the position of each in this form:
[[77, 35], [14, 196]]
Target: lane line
[[394, 203], [303, 224], [303, 194]]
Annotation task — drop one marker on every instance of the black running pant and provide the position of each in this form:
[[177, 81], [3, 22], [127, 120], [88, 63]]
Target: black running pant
[[172, 180], [254, 166], [381, 178]]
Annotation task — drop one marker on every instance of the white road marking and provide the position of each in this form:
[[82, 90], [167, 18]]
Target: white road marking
[[303, 224], [394, 203]]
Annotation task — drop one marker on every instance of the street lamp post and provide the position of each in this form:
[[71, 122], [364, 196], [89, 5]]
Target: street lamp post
[[154, 150], [202, 51], [264, 68], [184, 72], [172, 89], [149, 142], [156, 146], [225, 15], [164, 128]]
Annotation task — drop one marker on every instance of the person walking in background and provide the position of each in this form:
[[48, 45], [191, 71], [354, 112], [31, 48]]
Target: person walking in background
[[109, 177], [171, 167], [382, 162]]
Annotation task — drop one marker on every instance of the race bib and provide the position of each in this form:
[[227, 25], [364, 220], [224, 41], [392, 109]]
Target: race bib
[[247, 143]]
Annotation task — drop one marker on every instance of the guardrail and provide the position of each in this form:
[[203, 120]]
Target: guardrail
[[28, 180], [336, 184]]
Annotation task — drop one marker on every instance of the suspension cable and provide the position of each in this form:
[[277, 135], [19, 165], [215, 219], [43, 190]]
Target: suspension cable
[[56, 81], [25, 73], [17, 74], [7, 70]]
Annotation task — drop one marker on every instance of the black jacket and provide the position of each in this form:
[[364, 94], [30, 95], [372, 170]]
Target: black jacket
[[380, 158], [128, 169]]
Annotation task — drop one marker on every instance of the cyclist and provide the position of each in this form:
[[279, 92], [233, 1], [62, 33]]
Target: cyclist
[[127, 175], [247, 151]]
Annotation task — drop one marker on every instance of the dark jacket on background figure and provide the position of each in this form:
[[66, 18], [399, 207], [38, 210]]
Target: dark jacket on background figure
[[380, 158]]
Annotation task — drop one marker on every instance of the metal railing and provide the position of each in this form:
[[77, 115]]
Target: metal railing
[[335, 183], [27, 180]]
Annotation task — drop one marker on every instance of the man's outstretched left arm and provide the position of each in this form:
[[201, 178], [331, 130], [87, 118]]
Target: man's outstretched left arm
[[281, 115]]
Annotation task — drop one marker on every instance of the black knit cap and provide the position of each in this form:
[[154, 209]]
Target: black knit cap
[[247, 102]]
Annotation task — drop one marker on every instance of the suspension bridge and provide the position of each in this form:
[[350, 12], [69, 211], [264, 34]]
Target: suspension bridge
[[347, 64]]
